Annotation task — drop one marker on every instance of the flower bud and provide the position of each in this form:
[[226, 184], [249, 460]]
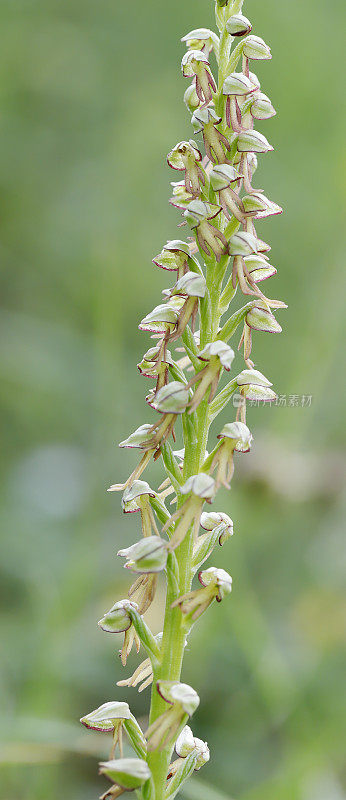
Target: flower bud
[[147, 555], [256, 48], [253, 142], [191, 98], [255, 386], [261, 107], [128, 773], [218, 578], [239, 434], [138, 437], [238, 84], [242, 244], [118, 619], [222, 176], [130, 503], [259, 268], [187, 743], [106, 718], [201, 485], [260, 319], [259, 206], [171, 399], [238, 25]]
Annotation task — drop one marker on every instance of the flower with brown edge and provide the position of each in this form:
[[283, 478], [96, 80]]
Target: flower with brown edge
[[261, 106], [155, 364], [238, 25], [202, 39], [109, 718], [119, 620], [255, 48], [170, 401], [191, 286], [258, 206], [255, 386], [183, 702], [219, 522], [127, 775], [189, 747], [185, 157], [222, 178], [175, 257], [236, 85], [195, 64], [200, 489], [136, 499], [218, 356], [210, 239], [251, 141], [162, 319], [234, 437], [259, 318], [216, 584], [205, 120]]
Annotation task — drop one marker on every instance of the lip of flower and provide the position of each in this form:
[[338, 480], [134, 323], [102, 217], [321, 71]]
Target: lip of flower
[[185, 156]]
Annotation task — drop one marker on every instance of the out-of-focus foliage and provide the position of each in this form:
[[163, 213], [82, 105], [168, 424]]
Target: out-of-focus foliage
[[90, 103]]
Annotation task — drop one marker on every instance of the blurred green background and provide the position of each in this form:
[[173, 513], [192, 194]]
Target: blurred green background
[[90, 104]]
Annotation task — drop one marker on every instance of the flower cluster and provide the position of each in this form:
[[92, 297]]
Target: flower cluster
[[220, 258]]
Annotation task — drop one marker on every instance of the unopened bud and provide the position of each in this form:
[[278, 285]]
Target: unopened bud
[[171, 399], [256, 48], [253, 142], [223, 175], [118, 619], [260, 319], [262, 108], [238, 25], [242, 244], [238, 84], [147, 555], [128, 773], [181, 694]]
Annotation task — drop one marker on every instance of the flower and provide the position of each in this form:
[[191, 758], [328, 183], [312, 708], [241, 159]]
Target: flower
[[147, 555], [255, 386], [219, 522], [143, 675], [218, 355], [235, 437], [175, 257], [183, 701], [255, 48], [136, 498], [195, 63], [221, 178], [205, 121], [128, 774], [119, 620], [216, 584], [200, 488], [170, 401], [238, 25], [202, 39], [186, 156], [210, 239], [107, 717]]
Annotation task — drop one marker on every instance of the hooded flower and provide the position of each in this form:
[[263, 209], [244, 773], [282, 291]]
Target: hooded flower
[[183, 702], [218, 356], [216, 584], [195, 64]]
